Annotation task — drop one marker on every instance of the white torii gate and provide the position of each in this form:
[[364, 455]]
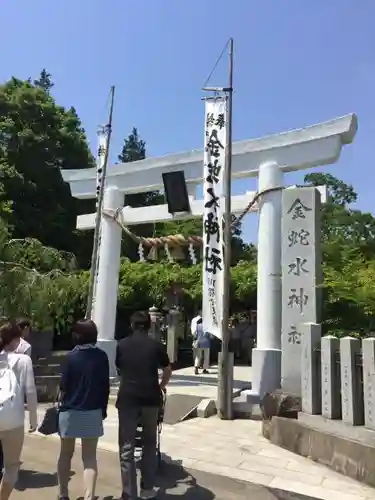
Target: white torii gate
[[268, 158]]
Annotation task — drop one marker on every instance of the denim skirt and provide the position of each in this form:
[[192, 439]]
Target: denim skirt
[[81, 424]]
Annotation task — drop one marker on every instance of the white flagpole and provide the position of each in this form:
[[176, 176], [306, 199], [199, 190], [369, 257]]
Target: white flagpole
[[100, 194]]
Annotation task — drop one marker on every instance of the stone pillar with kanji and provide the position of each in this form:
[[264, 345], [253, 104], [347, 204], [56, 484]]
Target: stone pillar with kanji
[[301, 277]]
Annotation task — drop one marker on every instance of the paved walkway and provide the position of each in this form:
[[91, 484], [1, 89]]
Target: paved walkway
[[38, 479], [236, 450]]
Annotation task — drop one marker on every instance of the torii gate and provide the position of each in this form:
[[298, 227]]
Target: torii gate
[[268, 158]]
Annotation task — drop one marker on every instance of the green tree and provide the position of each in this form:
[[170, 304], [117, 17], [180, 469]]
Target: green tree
[[134, 149], [38, 138], [44, 81], [39, 282], [342, 225], [350, 296], [348, 243], [142, 285]]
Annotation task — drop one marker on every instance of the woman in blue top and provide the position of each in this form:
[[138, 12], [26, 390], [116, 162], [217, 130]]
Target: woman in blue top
[[84, 397]]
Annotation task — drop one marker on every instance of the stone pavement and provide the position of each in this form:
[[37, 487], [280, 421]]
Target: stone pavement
[[236, 450], [37, 479]]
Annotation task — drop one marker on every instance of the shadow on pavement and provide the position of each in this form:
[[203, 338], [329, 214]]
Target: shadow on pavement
[[175, 482], [108, 497], [180, 379], [33, 479], [287, 495]]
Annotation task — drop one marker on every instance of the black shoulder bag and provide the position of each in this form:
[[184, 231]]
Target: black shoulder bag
[[50, 423]]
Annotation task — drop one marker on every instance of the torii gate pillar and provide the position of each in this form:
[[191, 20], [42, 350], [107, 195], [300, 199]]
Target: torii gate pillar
[[266, 365], [104, 312]]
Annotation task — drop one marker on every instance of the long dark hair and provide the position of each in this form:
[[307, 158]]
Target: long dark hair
[[9, 331]]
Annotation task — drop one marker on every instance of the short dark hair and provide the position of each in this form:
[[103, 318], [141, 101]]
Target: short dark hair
[[9, 331], [85, 332], [140, 320], [23, 323], [199, 321]]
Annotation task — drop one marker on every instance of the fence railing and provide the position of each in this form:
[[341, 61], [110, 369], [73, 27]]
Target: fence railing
[[338, 377]]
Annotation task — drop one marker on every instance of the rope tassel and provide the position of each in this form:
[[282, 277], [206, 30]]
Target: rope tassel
[[168, 253], [141, 252], [192, 254]]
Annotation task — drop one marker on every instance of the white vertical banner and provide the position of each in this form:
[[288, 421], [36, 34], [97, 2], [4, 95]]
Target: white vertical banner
[[213, 222], [102, 145]]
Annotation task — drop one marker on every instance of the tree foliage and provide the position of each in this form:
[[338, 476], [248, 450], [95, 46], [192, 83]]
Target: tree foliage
[[37, 139], [44, 81], [343, 226], [143, 285], [348, 240], [37, 281]]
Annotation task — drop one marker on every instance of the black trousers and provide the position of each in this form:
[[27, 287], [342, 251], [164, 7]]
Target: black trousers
[[129, 419]]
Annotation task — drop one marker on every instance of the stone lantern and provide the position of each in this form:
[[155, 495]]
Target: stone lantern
[[173, 333], [155, 317]]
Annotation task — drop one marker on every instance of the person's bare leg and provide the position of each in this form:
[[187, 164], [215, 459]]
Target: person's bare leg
[[12, 442], [206, 359], [90, 466], [67, 446], [5, 490], [197, 360]]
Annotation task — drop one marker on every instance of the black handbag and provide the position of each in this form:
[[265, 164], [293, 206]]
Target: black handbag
[[50, 423]]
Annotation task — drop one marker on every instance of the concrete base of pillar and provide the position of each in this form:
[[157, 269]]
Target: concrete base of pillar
[[247, 406], [109, 347], [266, 369]]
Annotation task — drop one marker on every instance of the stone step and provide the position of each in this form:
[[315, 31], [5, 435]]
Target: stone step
[[47, 387], [50, 369], [55, 358]]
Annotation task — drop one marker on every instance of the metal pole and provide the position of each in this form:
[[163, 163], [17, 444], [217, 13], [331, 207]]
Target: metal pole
[[98, 218], [225, 369]]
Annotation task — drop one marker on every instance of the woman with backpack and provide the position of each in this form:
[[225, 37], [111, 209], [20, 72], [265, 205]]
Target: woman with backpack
[[16, 383], [84, 398]]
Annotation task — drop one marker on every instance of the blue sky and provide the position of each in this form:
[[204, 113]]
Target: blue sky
[[296, 63]]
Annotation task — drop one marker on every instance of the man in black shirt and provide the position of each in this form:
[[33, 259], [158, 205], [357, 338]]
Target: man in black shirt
[[138, 359]]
